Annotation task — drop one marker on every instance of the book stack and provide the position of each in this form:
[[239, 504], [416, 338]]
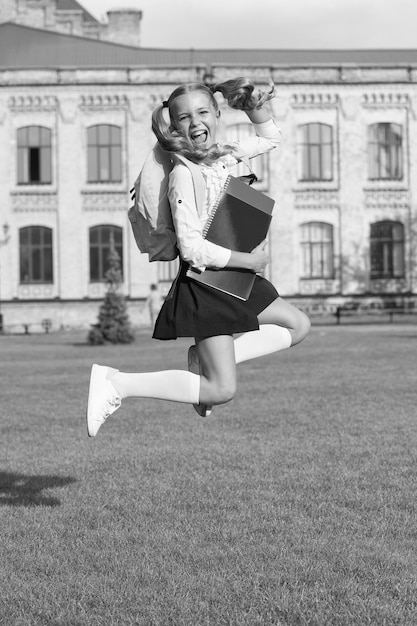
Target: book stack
[[239, 221]]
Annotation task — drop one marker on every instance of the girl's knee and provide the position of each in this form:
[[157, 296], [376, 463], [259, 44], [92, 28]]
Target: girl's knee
[[301, 329], [225, 391], [215, 391]]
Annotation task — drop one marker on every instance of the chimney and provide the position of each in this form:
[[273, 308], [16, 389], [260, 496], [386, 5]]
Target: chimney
[[123, 26]]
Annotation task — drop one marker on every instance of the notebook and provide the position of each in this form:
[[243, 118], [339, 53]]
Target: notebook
[[240, 221]]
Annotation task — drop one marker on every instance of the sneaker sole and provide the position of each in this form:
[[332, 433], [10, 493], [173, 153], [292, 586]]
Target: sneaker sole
[[94, 378]]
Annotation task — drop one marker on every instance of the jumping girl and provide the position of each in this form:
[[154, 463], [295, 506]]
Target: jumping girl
[[263, 324]]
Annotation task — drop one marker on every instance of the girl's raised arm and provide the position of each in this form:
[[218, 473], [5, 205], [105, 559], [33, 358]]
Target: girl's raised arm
[[258, 116]]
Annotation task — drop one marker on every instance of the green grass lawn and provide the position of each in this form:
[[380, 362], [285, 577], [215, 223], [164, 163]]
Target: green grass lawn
[[293, 505]]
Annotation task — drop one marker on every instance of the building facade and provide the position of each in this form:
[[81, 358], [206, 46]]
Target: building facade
[[71, 18], [75, 128]]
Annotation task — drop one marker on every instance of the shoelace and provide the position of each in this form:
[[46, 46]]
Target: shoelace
[[111, 405]]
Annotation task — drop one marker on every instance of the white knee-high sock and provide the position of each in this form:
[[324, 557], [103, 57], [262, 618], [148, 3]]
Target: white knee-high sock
[[268, 339], [174, 385]]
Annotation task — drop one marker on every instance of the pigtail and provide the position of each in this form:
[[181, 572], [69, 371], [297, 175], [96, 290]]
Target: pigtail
[[240, 93], [159, 125], [161, 128], [168, 138]]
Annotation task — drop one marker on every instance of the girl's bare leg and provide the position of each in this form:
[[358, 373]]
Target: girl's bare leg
[[284, 314], [218, 380], [281, 325]]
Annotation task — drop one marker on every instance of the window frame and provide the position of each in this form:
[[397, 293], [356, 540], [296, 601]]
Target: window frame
[[102, 154], [315, 251], [259, 165], [34, 155], [102, 246], [388, 251], [40, 252], [308, 149], [167, 270], [385, 156]]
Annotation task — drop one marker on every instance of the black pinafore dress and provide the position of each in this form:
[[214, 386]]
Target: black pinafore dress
[[194, 310]]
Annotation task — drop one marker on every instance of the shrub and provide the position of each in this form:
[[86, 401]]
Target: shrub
[[113, 324]]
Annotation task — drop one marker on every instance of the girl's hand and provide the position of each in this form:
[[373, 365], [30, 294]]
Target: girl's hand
[[255, 261], [260, 257], [241, 94]]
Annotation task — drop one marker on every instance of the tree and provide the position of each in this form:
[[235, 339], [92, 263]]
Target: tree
[[113, 321]]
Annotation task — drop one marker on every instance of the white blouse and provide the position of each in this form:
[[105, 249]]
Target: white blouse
[[189, 225]]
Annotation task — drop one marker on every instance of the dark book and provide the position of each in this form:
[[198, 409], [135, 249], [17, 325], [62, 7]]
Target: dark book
[[240, 221]]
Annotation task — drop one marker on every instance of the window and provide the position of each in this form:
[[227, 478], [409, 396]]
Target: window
[[167, 270], [314, 143], [387, 249], [385, 152], [100, 242], [317, 250], [104, 154], [34, 155], [259, 165], [35, 247]]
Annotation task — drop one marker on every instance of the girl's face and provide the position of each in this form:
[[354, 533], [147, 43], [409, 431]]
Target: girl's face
[[194, 115]]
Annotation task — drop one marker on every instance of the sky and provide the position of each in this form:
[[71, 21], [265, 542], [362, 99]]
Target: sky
[[318, 24]]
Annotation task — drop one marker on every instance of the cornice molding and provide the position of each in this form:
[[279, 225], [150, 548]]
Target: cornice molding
[[103, 102], [388, 99], [317, 199], [28, 102], [315, 100], [104, 201], [28, 201], [386, 198]]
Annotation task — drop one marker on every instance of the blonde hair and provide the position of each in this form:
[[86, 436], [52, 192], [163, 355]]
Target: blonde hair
[[239, 94]]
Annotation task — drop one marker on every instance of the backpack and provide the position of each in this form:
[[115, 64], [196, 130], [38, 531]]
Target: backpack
[[150, 216]]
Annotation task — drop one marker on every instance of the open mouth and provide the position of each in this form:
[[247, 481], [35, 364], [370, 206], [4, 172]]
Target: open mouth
[[199, 136]]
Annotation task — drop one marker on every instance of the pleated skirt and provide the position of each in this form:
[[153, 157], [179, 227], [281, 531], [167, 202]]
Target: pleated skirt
[[194, 310]]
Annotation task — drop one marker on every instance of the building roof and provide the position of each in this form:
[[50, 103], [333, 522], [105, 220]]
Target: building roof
[[23, 47]]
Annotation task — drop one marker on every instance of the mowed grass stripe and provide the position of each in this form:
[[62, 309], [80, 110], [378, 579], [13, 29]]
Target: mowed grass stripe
[[294, 504]]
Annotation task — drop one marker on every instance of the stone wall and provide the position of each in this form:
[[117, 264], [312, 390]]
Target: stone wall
[[20, 318]]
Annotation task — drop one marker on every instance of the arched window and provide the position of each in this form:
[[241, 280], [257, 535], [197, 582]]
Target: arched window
[[34, 165], [387, 249], [315, 152], [104, 149], [385, 151], [35, 250], [259, 165], [317, 250], [100, 243]]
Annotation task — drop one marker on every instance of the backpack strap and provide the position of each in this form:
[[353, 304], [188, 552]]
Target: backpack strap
[[198, 181]]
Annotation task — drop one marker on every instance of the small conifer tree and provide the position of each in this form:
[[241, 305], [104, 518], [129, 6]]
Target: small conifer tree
[[113, 321]]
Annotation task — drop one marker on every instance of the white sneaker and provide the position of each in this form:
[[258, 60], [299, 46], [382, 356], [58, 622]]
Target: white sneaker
[[103, 399], [194, 368]]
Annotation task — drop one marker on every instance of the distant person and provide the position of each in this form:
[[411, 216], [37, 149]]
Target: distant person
[[154, 303], [265, 322]]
